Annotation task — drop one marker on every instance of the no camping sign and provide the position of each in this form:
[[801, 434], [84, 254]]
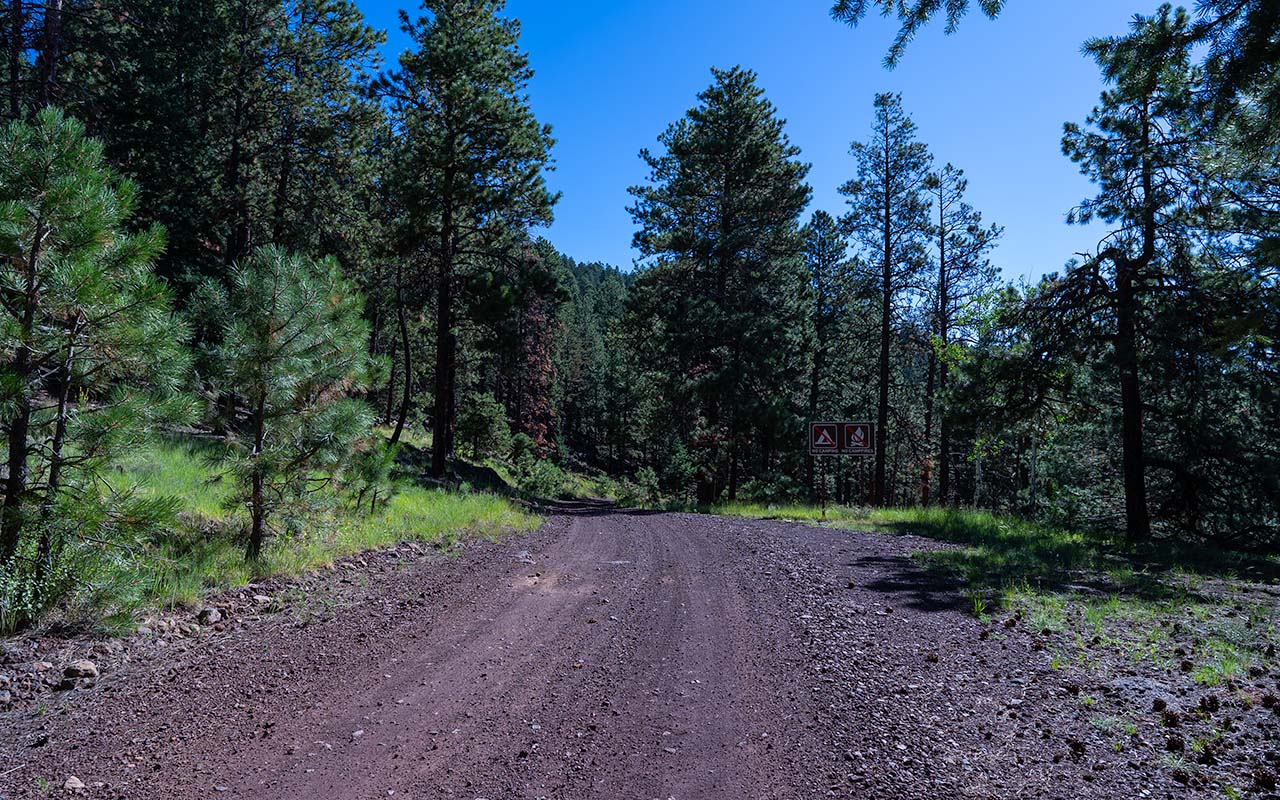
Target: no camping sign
[[842, 438]]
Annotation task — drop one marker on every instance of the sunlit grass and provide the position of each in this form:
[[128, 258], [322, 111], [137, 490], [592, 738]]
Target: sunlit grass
[[181, 467], [204, 551]]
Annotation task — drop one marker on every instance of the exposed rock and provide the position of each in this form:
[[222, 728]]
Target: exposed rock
[[73, 784], [1143, 693], [81, 669], [210, 616]]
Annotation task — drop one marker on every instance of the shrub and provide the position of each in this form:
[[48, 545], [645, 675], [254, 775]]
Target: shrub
[[539, 477], [294, 347]]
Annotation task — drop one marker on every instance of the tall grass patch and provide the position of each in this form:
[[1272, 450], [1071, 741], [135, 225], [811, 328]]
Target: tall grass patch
[[203, 551]]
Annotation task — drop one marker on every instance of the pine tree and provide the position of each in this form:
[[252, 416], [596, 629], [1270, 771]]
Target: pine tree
[[469, 175], [724, 298], [964, 275], [293, 349], [831, 285], [93, 358], [246, 122], [889, 216], [1135, 146]]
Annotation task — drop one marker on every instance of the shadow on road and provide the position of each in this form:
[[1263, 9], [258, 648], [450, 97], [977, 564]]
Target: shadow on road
[[909, 585], [590, 507]]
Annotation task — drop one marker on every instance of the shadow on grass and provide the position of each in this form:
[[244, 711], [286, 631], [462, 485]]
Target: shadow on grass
[[997, 553]]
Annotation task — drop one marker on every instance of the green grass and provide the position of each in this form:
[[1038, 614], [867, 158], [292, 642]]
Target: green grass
[[1090, 593], [203, 552]]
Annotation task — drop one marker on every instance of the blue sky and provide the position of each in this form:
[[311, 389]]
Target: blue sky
[[991, 99]]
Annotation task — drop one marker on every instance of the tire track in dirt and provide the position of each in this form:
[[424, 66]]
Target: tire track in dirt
[[613, 655]]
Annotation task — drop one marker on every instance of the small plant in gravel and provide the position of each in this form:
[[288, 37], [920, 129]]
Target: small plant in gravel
[[979, 605], [1225, 665]]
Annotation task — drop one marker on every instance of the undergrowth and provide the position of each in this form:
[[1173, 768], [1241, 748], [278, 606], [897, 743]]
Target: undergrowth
[[203, 551], [1094, 599]]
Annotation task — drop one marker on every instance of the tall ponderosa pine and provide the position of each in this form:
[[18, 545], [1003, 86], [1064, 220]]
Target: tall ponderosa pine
[[831, 283], [963, 275], [469, 174], [93, 358], [1137, 146], [724, 302], [889, 216]]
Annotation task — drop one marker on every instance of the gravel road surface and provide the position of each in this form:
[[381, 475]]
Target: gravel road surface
[[610, 655]]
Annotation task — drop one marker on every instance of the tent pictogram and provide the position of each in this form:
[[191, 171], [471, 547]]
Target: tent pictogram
[[842, 438], [824, 438]]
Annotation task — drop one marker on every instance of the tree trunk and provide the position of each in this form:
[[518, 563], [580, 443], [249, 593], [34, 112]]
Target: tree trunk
[[56, 460], [446, 352], [407, 396], [926, 471], [879, 494], [15, 490], [945, 496], [1133, 457], [257, 495], [50, 54], [46, 552], [886, 331], [1137, 518], [389, 413], [815, 386]]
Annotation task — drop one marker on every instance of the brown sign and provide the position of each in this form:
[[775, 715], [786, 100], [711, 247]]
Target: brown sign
[[824, 439], [842, 438]]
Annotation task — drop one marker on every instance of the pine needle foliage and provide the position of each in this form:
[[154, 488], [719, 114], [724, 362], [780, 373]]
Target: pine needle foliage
[[294, 350], [92, 360]]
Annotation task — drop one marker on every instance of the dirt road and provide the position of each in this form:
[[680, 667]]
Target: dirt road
[[611, 655]]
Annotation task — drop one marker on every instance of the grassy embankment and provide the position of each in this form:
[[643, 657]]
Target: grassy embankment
[[1091, 599], [203, 552]]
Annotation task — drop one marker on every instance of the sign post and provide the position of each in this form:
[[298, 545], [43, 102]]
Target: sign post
[[840, 439]]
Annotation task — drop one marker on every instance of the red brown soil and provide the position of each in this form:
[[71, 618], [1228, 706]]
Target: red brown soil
[[610, 655]]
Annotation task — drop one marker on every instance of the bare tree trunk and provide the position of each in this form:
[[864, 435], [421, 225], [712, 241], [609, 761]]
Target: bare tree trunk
[[257, 495], [50, 54], [407, 396], [17, 46]]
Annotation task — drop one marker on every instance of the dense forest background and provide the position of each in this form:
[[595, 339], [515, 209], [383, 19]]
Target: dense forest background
[[228, 216]]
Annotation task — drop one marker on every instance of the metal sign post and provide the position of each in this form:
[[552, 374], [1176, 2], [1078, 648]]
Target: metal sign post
[[840, 439]]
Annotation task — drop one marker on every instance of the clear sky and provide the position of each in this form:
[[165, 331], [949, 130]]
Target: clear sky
[[990, 99]]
